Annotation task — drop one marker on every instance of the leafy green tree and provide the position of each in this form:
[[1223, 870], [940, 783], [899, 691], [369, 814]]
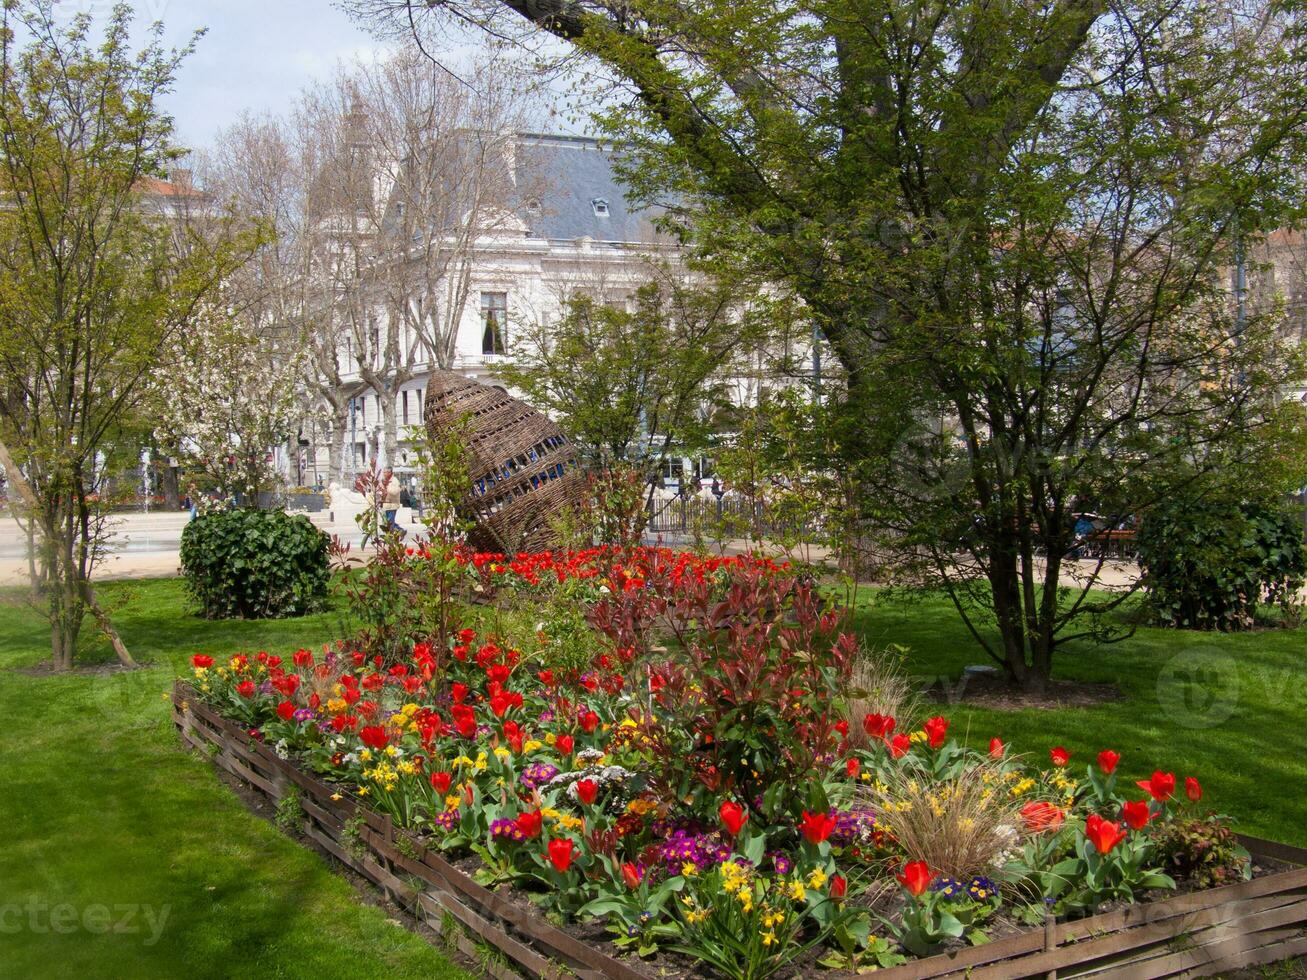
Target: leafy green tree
[[634, 379], [92, 284], [1008, 220]]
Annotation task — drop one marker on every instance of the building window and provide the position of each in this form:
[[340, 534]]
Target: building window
[[403, 398], [600, 207], [494, 317]]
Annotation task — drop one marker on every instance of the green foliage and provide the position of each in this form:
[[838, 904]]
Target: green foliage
[[1209, 563], [289, 813], [255, 564], [1203, 850], [628, 382]]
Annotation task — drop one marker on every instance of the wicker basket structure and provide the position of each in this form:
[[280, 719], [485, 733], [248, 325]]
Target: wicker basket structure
[[521, 468]]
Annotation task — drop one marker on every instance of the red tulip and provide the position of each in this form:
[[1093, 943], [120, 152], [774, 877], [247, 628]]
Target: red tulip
[[842, 728], [1103, 834], [1136, 814], [839, 886], [499, 704], [1107, 760], [200, 660], [632, 875], [560, 853], [302, 658], [245, 689], [996, 748], [374, 737], [1040, 815], [586, 790], [1193, 789], [733, 816], [936, 729], [589, 722], [878, 726], [899, 745], [1059, 755], [564, 744], [816, 827], [1161, 786], [458, 692], [529, 823], [851, 766], [441, 781], [286, 710], [915, 877]]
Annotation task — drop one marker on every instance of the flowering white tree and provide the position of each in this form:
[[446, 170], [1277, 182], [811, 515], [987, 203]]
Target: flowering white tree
[[226, 397]]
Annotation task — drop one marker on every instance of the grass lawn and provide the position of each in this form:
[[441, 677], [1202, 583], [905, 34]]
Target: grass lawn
[[106, 816], [1229, 709]]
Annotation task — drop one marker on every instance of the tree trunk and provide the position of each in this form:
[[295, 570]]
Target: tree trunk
[[168, 483], [389, 427], [70, 590], [339, 430]]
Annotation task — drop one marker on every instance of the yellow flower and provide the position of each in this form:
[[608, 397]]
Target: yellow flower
[[551, 738], [641, 807], [531, 744], [816, 879], [689, 869], [502, 753], [336, 796], [336, 705], [768, 938], [392, 751], [797, 891], [365, 755], [452, 801], [363, 791]]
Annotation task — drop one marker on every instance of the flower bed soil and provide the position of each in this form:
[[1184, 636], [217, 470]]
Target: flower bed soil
[[1195, 934]]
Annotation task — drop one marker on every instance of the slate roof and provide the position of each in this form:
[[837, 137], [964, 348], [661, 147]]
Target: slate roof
[[575, 174]]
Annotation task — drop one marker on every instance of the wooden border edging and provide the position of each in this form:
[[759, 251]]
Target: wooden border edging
[[1195, 934]]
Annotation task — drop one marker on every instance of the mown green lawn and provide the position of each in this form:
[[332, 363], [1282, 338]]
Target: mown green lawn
[[1229, 709], [125, 857]]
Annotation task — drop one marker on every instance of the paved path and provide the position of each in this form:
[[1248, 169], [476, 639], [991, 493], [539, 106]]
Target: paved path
[[146, 546], [142, 545]]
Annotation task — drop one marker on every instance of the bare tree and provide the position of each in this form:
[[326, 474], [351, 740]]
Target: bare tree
[[414, 170]]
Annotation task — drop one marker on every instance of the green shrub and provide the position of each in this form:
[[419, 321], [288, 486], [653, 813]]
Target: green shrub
[[1208, 564], [255, 564], [1203, 851]]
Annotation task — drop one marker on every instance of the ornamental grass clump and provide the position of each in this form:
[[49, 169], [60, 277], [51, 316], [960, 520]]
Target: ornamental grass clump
[[878, 688], [961, 824]]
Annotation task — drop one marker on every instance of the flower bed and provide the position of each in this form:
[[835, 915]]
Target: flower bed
[[728, 787]]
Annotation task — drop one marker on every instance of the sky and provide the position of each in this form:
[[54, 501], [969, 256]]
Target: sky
[[256, 55]]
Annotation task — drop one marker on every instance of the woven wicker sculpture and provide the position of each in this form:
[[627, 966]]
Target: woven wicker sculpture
[[521, 466]]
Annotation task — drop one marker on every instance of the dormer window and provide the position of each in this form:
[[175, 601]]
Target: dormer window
[[600, 206]]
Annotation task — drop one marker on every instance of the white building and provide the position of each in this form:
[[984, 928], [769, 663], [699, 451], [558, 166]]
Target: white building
[[578, 233]]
